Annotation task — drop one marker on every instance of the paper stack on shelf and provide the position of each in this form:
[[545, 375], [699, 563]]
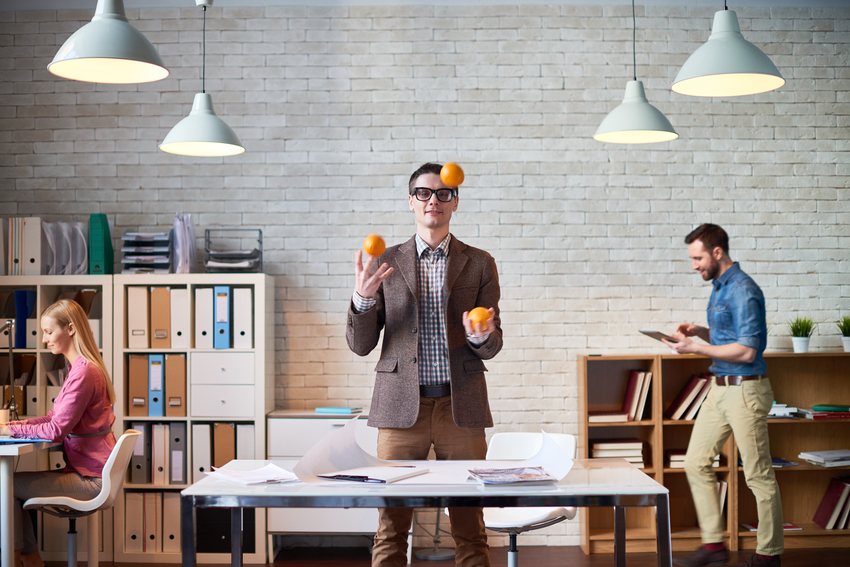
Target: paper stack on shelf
[[185, 249], [821, 414], [837, 458], [146, 252], [782, 411], [233, 250], [676, 460], [629, 449]]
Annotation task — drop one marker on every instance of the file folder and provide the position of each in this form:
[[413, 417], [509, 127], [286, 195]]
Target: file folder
[[56, 460], [243, 318], [175, 385], [156, 379], [32, 333], [52, 394], [31, 247], [160, 441], [177, 450], [160, 317], [24, 309], [140, 461], [221, 312], [101, 254], [245, 441], [138, 317], [201, 450], [179, 317], [152, 514], [204, 317], [137, 385], [224, 444], [171, 522], [134, 522]]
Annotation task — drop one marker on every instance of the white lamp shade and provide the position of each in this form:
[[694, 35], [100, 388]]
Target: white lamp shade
[[108, 50], [727, 64], [202, 133], [635, 121]]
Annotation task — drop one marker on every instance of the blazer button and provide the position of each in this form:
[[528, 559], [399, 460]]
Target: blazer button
[[413, 330], [413, 360]]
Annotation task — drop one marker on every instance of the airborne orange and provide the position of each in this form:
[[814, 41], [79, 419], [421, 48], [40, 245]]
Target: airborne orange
[[451, 174], [374, 245]]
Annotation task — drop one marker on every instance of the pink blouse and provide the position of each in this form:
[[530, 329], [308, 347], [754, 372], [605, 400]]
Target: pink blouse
[[81, 407]]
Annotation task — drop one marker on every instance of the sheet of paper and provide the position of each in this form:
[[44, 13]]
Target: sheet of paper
[[339, 451], [266, 474]]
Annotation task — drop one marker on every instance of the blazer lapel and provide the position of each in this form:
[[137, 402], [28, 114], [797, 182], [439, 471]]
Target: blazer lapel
[[406, 262], [456, 261]]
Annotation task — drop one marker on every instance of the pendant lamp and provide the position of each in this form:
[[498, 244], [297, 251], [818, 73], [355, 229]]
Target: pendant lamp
[[635, 121], [108, 50], [202, 133], [727, 64]]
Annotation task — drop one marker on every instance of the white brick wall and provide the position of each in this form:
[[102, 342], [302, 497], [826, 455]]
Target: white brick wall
[[337, 105]]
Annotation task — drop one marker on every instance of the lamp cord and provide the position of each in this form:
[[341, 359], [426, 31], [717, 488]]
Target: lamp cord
[[204, 58], [634, 40]]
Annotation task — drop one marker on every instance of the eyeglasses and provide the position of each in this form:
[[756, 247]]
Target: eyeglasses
[[424, 194]]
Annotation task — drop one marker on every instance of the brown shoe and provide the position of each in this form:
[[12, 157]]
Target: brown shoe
[[703, 556], [758, 561]]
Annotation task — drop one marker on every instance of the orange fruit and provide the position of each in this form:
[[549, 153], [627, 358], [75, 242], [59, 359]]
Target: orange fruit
[[451, 174], [479, 316], [374, 245]]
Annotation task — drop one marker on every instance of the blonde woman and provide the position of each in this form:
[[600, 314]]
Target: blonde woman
[[81, 418]]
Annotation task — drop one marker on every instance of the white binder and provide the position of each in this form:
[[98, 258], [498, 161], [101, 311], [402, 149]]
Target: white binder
[[204, 317], [152, 522], [31, 246], [134, 521], [160, 438], [179, 318], [32, 333], [201, 451], [245, 441], [243, 318], [138, 317], [171, 522]]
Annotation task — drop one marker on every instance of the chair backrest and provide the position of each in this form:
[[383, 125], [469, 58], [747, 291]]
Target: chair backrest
[[114, 472], [522, 445]]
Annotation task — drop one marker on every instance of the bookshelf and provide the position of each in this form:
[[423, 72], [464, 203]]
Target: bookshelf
[[799, 379], [49, 289], [225, 385]]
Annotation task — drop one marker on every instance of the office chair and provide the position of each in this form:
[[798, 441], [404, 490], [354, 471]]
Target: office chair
[[514, 521], [114, 472]]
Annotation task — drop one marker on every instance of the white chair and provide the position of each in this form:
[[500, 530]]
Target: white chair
[[114, 472], [514, 521]]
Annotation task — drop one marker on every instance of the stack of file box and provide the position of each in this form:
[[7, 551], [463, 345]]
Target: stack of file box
[[146, 252]]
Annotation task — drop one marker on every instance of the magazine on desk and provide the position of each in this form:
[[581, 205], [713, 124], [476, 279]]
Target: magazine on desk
[[518, 475], [10, 439]]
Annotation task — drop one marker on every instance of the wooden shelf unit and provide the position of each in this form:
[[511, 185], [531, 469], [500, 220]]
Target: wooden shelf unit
[[798, 379]]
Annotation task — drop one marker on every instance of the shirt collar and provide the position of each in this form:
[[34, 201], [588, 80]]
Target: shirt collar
[[726, 276], [422, 246]]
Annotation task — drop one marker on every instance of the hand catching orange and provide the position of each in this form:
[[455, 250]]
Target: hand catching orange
[[451, 174], [478, 317], [374, 245]]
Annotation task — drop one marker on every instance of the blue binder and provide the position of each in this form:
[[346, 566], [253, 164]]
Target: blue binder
[[156, 379], [24, 308], [221, 316]]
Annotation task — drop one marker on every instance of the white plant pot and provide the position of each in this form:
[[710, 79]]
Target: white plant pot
[[846, 342], [801, 344]]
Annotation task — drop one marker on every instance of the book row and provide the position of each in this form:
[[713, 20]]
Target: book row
[[833, 512], [634, 400]]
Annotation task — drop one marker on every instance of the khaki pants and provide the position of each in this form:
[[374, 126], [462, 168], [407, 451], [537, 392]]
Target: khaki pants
[[742, 411], [434, 425]]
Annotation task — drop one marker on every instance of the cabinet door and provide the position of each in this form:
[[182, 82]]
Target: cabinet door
[[293, 437], [222, 401]]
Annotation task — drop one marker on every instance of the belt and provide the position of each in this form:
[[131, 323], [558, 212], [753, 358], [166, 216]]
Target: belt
[[95, 434], [435, 391], [735, 380]]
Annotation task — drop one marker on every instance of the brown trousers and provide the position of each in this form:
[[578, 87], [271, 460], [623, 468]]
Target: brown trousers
[[434, 425]]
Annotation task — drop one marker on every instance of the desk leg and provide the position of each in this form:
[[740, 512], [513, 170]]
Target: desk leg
[[620, 536], [7, 511], [662, 530], [236, 537], [187, 531]]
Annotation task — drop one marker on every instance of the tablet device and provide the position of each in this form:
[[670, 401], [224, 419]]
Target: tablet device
[[658, 336]]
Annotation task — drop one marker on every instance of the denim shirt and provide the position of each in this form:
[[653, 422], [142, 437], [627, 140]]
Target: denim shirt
[[736, 314]]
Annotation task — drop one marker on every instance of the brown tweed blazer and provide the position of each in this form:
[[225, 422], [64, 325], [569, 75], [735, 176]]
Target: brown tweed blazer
[[471, 281]]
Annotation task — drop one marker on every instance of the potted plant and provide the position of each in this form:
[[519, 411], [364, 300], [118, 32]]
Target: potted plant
[[844, 327], [801, 329]]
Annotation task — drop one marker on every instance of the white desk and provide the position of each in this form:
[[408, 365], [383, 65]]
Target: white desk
[[591, 482], [8, 452]]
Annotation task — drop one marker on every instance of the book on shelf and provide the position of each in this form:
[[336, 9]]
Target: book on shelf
[[782, 410], [618, 444], [632, 397], [830, 464], [722, 488], [787, 526], [644, 394], [832, 503], [676, 459], [811, 414], [779, 463], [607, 417], [685, 397], [692, 411], [338, 410], [843, 521], [830, 407], [614, 453], [825, 456]]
